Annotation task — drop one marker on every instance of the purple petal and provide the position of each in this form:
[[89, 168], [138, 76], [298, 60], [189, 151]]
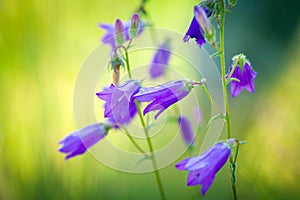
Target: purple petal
[[203, 168], [162, 96], [195, 32], [181, 165], [160, 61], [120, 103], [186, 130], [246, 75]]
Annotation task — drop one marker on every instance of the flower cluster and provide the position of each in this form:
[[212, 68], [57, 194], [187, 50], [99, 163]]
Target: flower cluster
[[122, 102], [124, 31]]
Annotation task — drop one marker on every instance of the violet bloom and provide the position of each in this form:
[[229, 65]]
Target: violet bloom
[[195, 31], [203, 168], [120, 106], [244, 73], [163, 96], [160, 60], [78, 142], [186, 129], [110, 39]]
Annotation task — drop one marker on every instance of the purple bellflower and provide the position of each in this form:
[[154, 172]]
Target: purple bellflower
[[120, 107], [78, 142], [203, 168], [202, 19], [110, 36], [244, 73], [163, 96], [160, 60], [186, 130], [195, 31]]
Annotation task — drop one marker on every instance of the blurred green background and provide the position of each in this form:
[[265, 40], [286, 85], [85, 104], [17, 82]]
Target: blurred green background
[[42, 45]]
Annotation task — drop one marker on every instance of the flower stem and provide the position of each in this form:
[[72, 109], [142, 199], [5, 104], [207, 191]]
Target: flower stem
[[134, 143], [225, 96], [211, 99], [156, 172], [127, 64]]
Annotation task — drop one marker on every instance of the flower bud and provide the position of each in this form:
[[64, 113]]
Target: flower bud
[[119, 32], [202, 19], [135, 20]]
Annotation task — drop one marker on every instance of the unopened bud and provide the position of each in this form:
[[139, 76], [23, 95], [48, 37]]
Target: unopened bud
[[135, 20], [119, 32], [202, 19]]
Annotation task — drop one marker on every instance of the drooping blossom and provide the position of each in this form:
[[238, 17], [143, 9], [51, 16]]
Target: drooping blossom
[[160, 60], [120, 105], [78, 142], [244, 73], [110, 36], [195, 31], [202, 19], [186, 130], [203, 168], [165, 95]]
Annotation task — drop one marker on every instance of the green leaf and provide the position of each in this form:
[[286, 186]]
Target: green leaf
[[218, 116]]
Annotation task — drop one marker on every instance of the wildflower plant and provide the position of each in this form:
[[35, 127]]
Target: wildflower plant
[[128, 99]]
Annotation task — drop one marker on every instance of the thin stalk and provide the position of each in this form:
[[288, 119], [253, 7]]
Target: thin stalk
[[211, 99], [225, 96], [127, 64], [134, 143], [156, 172], [223, 72], [232, 70]]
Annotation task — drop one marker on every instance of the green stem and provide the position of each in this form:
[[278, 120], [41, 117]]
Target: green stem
[[211, 99], [233, 171], [232, 70], [134, 142], [223, 72], [156, 172], [225, 96], [127, 64]]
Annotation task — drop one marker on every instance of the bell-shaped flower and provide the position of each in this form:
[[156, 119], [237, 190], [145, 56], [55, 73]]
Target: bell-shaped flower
[[244, 74], [120, 106], [78, 142], [165, 95], [195, 31], [203, 168]]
